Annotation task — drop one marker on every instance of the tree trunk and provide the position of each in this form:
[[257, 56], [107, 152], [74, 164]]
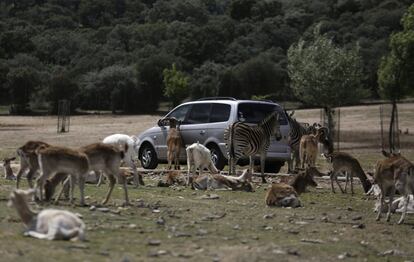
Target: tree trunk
[[331, 127], [391, 133]]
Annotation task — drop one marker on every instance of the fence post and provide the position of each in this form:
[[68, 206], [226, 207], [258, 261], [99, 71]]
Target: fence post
[[63, 116]]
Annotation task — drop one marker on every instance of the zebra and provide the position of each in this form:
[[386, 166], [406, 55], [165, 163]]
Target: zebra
[[244, 140], [296, 132]]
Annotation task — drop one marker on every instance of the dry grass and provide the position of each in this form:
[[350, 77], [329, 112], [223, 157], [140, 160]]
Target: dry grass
[[236, 227]]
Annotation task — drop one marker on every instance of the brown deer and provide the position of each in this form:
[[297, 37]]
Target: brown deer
[[174, 143], [286, 195], [54, 160], [308, 147], [391, 174], [101, 157], [8, 172], [28, 160], [345, 163]]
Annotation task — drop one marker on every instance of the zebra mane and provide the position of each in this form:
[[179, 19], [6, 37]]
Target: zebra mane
[[269, 117]]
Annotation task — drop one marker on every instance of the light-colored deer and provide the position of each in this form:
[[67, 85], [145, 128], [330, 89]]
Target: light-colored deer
[[50, 224]]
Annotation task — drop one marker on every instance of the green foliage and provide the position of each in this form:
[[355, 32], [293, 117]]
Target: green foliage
[[396, 71], [235, 48], [206, 80], [176, 84], [61, 87], [324, 74], [21, 83]]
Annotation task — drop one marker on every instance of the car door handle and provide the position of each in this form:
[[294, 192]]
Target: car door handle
[[202, 132]]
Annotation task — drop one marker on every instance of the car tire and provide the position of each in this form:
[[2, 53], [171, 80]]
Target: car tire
[[148, 157], [273, 167], [218, 159]]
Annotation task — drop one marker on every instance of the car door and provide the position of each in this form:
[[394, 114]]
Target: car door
[[195, 126]]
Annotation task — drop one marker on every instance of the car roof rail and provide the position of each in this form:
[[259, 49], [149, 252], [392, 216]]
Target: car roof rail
[[217, 98]]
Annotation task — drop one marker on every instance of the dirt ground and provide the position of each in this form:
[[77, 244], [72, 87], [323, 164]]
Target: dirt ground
[[178, 224]]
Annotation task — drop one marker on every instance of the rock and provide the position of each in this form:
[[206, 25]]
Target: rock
[[160, 221], [182, 234], [209, 196], [268, 216], [103, 209], [344, 255], [360, 226], [236, 227], [357, 218], [324, 219], [132, 226], [349, 209], [313, 241], [154, 242], [391, 252], [156, 211], [92, 208], [202, 232]]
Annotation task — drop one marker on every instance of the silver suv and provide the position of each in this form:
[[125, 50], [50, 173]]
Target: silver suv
[[204, 121]]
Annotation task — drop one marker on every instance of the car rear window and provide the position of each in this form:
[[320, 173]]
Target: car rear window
[[254, 113], [219, 113]]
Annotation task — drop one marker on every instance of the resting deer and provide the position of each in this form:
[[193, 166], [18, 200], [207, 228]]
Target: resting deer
[[8, 172], [50, 224], [286, 195], [217, 181], [345, 163], [174, 144], [173, 177]]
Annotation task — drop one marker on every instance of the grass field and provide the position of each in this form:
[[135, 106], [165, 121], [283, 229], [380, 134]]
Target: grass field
[[177, 224]]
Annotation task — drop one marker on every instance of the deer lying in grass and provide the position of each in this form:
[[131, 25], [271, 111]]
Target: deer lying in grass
[[174, 144], [54, 160], [8, 172], [29, 161], [50, 224], [173, 177], [216, 181], [286, 195], [345, 163], [391, 174]]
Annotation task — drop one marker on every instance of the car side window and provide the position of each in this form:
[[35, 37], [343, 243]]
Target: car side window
[[219, 113], [180, 112], [199, 114]]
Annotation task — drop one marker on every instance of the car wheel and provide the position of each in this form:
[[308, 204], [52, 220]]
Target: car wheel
[[218, 159], [148, 157], [273, 167]]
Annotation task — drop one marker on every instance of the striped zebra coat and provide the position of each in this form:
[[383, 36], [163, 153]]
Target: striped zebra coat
[[244, 140]]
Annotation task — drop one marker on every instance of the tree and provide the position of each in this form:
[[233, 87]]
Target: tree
[[325, 75], [396, 71], [176, 85], [21, 83], [206, 80]]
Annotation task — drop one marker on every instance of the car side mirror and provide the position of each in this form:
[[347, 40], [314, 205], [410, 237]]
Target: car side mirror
[[161, 122]]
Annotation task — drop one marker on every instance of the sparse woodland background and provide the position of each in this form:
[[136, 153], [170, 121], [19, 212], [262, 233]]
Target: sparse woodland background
[[111, 54]]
